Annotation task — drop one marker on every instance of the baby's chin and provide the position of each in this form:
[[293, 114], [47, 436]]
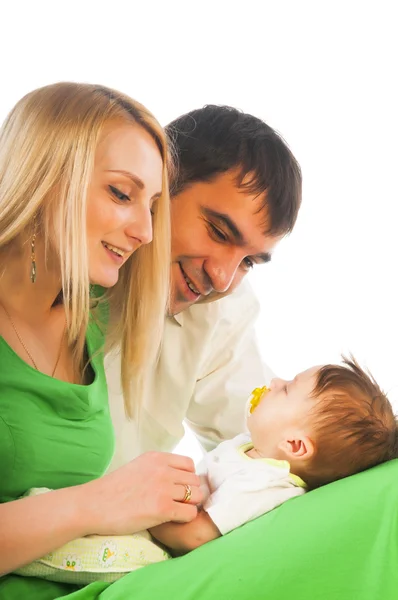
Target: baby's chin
[[248, 425], [248, 413]]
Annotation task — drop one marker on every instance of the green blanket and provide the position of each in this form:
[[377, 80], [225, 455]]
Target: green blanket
[[337, 543]]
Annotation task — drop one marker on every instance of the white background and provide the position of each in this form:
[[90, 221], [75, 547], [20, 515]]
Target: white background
[[324, 74]]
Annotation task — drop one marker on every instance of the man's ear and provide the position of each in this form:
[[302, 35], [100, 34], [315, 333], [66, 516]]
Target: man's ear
[[298, 447]]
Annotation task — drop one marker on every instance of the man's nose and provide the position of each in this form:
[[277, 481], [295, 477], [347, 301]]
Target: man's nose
[[221, 273]]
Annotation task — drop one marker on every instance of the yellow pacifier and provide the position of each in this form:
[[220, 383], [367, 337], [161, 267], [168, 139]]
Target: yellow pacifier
[[256, 396]]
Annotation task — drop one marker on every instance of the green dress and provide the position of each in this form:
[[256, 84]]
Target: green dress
[[336, 543], [52, 434]]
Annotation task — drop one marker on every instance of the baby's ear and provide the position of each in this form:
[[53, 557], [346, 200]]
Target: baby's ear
[[298, 447]]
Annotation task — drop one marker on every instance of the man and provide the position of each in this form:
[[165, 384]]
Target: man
[[236, 193]]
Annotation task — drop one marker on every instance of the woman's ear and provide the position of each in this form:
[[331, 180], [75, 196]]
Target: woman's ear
[[298, 447]]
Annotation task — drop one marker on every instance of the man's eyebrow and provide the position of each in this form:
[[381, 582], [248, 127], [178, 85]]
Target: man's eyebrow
[[134, 178], [234, 231], [263, 257]]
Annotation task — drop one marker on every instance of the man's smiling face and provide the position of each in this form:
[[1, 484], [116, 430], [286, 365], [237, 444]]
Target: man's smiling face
[[217, 237]]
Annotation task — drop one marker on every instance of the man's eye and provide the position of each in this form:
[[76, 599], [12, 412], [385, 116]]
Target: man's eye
[[118, 194], [247, 263], [218, 233]]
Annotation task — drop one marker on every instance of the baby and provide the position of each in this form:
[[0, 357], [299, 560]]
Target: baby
[[327, 423]]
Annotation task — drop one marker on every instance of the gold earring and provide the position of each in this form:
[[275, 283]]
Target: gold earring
[[33, 253]]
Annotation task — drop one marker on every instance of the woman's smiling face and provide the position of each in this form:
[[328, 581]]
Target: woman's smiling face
[[126, 181]]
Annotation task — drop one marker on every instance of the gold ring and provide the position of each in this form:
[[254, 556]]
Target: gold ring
[[188, 493]]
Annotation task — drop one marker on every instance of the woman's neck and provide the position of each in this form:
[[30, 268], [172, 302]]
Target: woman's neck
[[17, 292]]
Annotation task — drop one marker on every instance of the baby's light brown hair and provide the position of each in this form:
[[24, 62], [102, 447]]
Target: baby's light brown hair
[[353, 424]]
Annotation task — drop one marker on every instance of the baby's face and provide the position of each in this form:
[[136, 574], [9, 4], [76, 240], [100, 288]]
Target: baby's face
[[283, 409]]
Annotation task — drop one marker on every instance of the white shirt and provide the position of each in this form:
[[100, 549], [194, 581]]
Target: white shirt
[[238, 489], [208, 366]]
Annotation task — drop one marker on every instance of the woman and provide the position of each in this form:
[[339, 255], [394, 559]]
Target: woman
[[82, 176]]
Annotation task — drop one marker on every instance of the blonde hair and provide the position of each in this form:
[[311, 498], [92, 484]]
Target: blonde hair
[[353, 423], [47, 151]]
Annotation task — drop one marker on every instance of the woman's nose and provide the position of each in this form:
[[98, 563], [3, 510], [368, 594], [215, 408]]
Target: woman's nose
[[140, 225]]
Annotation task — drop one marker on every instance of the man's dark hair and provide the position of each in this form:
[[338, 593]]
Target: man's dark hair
[[212, 140]]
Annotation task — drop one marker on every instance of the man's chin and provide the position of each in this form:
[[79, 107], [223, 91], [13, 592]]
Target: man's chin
[[176, 308]]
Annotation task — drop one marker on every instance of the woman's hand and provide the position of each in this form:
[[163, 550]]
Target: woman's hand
[[146, 492]]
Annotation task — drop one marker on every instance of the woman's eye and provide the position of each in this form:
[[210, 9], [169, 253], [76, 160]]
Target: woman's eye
[[118, 194], [247, 263], [218, 233]]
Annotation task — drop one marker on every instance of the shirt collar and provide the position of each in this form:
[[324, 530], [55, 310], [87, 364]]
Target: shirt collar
[[178, 318]]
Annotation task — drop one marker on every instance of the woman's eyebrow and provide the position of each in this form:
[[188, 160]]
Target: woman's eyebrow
[[134, 178]]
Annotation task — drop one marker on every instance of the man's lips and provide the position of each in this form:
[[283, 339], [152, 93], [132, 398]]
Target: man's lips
[[190, 284]]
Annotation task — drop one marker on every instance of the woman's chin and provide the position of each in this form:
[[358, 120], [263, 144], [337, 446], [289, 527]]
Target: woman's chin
[[106, 280]]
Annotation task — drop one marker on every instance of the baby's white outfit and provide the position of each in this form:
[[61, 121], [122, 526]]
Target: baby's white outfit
[[238, 488]]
